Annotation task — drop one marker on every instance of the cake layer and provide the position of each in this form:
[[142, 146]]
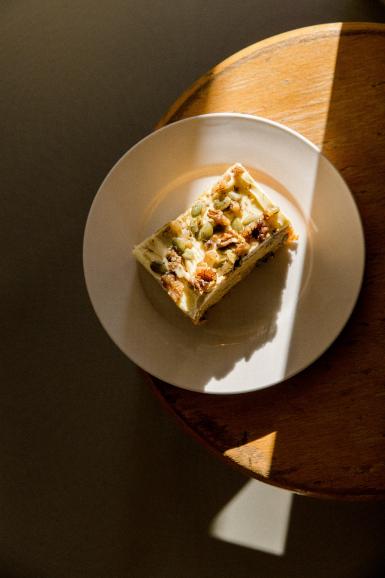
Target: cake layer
[[203, 253]]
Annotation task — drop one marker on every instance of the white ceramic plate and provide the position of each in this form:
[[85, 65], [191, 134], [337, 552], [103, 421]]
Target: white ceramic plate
[[275, 322]]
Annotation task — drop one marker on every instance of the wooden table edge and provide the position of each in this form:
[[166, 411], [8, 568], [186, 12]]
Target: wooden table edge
[[307, 32], [249, 474]]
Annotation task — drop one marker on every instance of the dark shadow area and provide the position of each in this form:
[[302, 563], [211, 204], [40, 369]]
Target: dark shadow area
[[95, 481]]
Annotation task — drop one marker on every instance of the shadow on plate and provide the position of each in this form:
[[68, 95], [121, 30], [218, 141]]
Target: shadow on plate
[[242, 322]]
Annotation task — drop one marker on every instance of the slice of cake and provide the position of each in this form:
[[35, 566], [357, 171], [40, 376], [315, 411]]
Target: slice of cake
[[204, 252]]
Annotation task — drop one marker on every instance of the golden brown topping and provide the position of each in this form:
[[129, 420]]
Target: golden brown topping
[[291, 235], [258, 230], [175, 228], [229, 238], [235, 207], [237, 171], [218, 217], [206, 273], [241, 249], [210, 257], [251, 230], [174, 260], [173, 286], [220, 188], [204, 279]]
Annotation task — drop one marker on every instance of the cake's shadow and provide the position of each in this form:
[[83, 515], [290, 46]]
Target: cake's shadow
[[240, 324]]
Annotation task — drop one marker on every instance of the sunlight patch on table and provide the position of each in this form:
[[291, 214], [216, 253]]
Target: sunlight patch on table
[[256, 517], [256, 455]]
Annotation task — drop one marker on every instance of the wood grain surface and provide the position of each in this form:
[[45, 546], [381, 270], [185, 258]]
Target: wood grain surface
[[321, 432]]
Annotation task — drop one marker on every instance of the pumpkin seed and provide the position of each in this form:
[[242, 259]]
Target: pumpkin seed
[[179, 244], [158, 267], [206, 232], [237, 224], [194, 227], [196, 210], [222, 205], [175, 227]]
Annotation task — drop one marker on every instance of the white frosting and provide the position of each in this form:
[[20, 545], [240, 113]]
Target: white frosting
[[253, 204]]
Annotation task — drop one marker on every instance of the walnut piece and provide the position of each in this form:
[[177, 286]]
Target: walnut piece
[[229, 238], [257, 230], [218, 217], [173, 286], [241, 249], [174, 260], [205, 278]]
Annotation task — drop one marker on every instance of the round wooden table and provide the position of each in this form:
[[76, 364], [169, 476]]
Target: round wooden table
[[321, 432]]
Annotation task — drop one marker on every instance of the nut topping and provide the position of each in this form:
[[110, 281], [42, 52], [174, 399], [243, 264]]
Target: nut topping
[[257, 230], [229, 238], [173, 286], [174, 260], [218, 217], [204, 279]]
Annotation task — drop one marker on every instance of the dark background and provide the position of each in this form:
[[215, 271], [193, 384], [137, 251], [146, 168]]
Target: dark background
[[95, 479]]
